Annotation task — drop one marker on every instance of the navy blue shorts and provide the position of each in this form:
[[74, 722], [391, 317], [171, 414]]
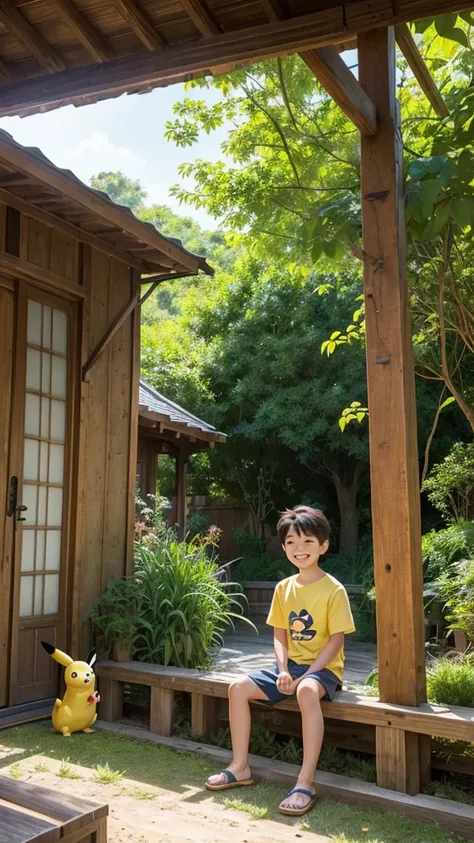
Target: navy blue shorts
[[267, 681]]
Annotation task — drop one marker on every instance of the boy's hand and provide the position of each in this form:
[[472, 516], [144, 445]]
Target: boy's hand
[[285, 683]]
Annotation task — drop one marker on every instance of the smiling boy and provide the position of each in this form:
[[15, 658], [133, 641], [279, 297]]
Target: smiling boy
[[310, 614]]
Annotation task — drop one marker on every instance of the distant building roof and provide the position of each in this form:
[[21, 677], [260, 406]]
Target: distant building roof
[[153, 404]]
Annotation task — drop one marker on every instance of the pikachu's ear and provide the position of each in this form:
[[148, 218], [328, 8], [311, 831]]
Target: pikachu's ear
[[57, 655], [92, 658]]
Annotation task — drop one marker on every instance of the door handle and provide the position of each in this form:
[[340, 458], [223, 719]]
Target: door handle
[[14, 507]]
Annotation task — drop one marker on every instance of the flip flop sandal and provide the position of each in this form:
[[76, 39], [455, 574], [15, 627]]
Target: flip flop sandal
[[299, 812], [230, 783]]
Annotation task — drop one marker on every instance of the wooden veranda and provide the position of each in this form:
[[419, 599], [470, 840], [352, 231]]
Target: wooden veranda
[[52, 53]]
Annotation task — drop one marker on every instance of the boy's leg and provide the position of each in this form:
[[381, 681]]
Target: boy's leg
[[241, 692], [309, 694]]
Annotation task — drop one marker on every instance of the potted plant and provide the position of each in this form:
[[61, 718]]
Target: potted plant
[[115, 616]]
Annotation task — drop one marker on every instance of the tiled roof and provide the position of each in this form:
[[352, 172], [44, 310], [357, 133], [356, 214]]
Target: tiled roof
[[155, 402]]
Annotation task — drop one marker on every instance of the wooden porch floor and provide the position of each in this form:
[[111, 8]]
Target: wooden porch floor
[[245, 651]]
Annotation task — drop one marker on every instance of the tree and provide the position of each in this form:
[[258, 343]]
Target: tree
[[293, 188], [120, 189], [272, 390]]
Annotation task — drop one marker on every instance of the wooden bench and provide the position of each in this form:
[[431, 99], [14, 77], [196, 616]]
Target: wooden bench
[[391, 722], [32, 814]]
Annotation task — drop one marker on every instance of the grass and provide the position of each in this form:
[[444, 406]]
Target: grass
[[41, 767], [141, 793], [255, 811], [177, 771], [15, 771], [105, 775], [66, 772]]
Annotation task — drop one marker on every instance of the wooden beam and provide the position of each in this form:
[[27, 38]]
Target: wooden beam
[[334, 75], [29, 162], [201, 17], [20, 268], [181, 484], [407, 45], [394, 471], [340, 83], [117, 323], [94, 43], [140, 23], [179, 62], [22, 30]]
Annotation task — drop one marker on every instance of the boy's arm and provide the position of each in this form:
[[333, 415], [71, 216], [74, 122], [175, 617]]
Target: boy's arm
[[280, 644]]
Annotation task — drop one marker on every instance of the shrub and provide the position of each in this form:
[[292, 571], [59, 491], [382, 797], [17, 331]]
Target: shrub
[[459, 590], [451, 681], [248, 543], [175, 607], [262, 568], [352, 567], [450, 484], [440, 549], [187, 606]]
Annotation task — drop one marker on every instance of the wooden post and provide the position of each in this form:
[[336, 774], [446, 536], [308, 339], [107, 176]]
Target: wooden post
[[161, 711], [204, 714], [111, 700], [181, 484], [394, 466]]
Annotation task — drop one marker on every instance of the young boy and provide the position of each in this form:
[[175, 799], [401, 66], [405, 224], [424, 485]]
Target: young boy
[[310, 614]]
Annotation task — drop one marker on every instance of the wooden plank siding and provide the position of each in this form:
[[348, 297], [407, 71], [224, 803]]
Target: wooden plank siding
[[106, 512]]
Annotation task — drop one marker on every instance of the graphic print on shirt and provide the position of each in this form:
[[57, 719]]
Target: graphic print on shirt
[[300, 626]]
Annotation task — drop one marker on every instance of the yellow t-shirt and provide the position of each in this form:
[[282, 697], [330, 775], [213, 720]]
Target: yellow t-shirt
[[311, 614]]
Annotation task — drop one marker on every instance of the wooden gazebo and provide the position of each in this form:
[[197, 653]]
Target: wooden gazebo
[[55, 52], [166, 428]]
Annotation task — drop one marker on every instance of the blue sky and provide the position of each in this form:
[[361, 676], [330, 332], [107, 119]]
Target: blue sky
[[123, 134]]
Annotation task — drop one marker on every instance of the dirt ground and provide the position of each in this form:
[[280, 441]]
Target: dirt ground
[[146, 814]]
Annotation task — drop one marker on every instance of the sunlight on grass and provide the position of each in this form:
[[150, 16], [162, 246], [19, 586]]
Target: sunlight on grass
[[140, 793], [150, 765], [15, 771], [66, 772], [41, 767], [256, 812], [105, 775]]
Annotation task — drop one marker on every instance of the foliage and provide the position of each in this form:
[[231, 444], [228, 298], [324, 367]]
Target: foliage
[[443, 547], [450, 485], [451, 681], [249, 544], [351, 567], [187, 606], [262, 568], [175, 607], [198, 524], [117, 613], [457, 590], [120, 189]]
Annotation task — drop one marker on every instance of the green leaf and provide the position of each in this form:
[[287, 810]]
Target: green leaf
[[463, 210], [431, 166], [443, 212], [430, 191], [444, 24], [342, 424], [422, 25], [458, 35], [316, 251], [356, 404], [448, 401], [335, 335], [360, 417], [330, 248], [466, 166], [324, 346]]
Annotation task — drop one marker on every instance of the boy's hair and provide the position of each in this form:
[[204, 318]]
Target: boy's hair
[[304, 519]]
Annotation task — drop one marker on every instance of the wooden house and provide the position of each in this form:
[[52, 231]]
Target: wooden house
[[71, 266], [166, 428]]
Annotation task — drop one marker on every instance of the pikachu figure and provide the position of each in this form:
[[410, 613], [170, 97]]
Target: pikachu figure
[[76, 712]]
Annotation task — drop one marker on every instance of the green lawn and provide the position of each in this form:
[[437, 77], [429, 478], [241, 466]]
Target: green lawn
[[170, 769]]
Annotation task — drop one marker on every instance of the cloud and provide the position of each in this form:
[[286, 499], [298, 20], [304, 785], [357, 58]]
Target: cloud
[[97, 152]]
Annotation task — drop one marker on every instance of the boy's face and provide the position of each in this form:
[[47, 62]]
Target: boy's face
[[303, 551]]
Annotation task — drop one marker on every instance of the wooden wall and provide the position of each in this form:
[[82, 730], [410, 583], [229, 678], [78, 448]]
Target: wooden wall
[[105, 418], [108, 435]]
